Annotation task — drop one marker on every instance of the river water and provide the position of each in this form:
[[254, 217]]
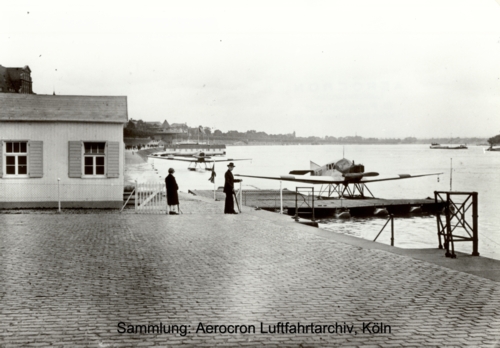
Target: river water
[[472, 170]]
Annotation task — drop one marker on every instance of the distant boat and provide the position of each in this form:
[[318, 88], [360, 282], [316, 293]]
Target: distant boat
[[491, 148], [448, 147]]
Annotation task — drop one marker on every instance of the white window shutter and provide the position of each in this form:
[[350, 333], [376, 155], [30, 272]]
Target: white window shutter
[[35, 158], [75, 159], [113, 159]]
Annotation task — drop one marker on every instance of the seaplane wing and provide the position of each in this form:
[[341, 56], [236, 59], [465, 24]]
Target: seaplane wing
[[401, 176], [200, 159], [349, 178], [298, 178]]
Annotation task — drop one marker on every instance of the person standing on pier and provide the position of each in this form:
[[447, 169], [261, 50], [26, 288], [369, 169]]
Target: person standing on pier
[[229, 190], [172, 197]]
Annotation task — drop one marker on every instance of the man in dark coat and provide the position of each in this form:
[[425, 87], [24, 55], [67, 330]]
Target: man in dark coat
[[172, 197], [229, 190]]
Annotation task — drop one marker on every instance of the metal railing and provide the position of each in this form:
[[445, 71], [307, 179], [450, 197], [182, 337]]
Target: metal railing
[[304, 201], [456, 215], [391, 220]]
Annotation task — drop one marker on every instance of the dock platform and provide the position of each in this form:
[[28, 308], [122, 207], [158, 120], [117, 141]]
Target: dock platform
[[325, 207]]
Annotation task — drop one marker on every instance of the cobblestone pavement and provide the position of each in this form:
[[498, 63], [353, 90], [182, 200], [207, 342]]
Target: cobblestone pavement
[[69, 280]]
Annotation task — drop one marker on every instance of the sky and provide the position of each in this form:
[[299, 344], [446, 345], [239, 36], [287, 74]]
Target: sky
[[386, 69]]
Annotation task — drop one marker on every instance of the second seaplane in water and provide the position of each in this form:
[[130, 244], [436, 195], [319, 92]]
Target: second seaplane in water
[[197, 159], [342, 177]]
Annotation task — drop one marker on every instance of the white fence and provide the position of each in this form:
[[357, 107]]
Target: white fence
[[150, 198]]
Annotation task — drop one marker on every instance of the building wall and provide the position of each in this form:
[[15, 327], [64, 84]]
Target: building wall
[[73, 192]]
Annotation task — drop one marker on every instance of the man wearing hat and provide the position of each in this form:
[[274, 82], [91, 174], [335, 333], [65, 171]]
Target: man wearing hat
[[229, 190]]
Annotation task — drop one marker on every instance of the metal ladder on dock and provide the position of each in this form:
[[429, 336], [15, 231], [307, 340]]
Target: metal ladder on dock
[[456, 215]]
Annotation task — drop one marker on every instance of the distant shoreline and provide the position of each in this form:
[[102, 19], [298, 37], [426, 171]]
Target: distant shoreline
[[472, 141]]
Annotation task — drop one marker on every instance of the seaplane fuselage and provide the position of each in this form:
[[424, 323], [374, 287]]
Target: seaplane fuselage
[[341, 170]]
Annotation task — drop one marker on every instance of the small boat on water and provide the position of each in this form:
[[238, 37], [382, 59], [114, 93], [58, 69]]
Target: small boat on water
[[192, 149], [491, 148], [448, 147]]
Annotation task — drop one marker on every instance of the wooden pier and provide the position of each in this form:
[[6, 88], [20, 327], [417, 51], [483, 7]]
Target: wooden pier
[[327, 207]]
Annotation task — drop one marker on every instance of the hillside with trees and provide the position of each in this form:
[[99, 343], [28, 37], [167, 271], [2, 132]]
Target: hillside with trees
[[494, 140]]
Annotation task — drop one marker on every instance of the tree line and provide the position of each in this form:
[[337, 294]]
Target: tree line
[[144, 130]]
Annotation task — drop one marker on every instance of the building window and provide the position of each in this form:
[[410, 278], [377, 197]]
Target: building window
[[94, 159], [16, 158]]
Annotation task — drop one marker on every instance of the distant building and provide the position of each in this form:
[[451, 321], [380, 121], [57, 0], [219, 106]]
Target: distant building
[[16, 80], [67, 147], [178, 128], [165, 126], [153, 125], [163, 130]]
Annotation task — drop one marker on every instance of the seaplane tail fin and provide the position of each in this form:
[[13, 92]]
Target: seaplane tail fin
[[314, 166]]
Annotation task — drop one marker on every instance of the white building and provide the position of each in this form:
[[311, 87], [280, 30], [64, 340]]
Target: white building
[[61, 148]]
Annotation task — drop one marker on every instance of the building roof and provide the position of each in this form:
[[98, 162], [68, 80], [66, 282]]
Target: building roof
[[69, 108]]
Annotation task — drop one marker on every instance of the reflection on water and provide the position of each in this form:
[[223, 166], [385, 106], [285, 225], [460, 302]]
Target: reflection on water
[[409, 231]]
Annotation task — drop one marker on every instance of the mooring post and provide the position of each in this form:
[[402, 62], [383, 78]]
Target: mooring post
[[475, 238], [58, 195], [313, 219], [392, 230], [296, 217], [451, 173], [281, 197], [241, 192]]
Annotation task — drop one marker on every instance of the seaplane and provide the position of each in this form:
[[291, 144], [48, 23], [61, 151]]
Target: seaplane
[[343, 178], [196, 160]]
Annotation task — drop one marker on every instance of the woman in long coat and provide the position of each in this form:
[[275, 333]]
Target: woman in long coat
[[172, 197]]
